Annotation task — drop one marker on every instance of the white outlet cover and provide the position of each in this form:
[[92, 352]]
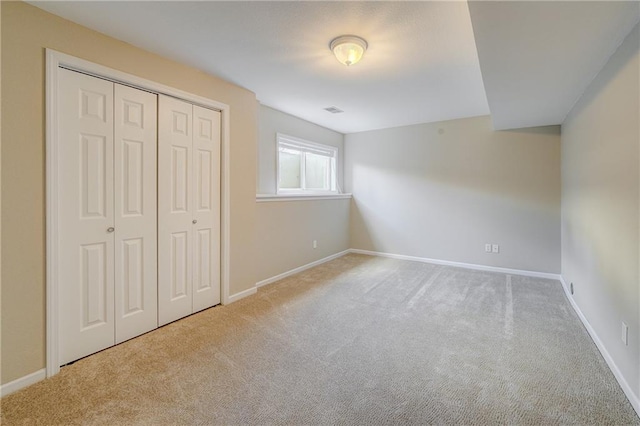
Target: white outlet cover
[[487, 248], [496, 248]]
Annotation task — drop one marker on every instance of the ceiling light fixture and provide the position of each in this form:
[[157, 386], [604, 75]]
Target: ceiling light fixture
[[348, 49]]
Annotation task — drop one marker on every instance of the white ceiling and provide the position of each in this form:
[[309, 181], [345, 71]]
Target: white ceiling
[[421, 66], [537, 58]]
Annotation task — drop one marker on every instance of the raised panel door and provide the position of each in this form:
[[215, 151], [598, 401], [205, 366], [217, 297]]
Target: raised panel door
[[206, 208], [86, 240], [135, 140], [175, 205]]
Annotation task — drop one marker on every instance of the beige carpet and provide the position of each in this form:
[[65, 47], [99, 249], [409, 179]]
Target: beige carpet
[[359, 340]]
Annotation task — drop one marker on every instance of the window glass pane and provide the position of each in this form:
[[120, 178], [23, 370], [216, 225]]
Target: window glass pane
[[290, 169], [306, 167], [317, 169]]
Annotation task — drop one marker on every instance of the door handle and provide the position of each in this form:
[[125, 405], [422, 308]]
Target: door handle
[[194, 221], [111, 229]]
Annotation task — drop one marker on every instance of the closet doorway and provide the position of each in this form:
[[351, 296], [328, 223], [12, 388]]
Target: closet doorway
[[137, 184]]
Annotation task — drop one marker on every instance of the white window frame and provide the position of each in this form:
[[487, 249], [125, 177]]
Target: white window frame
[[305, 145]]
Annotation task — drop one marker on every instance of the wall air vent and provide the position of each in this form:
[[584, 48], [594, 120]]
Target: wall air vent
[[333, 110]]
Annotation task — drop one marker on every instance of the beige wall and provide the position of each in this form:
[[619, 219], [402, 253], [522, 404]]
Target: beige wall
[[285, 230], [271, 122], [600, 206], [443, 190], [26, 32]]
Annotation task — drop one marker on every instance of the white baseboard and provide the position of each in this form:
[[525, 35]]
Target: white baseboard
[[460, 264], [628, 391], [23, 382], [241, 295], [301, 268]]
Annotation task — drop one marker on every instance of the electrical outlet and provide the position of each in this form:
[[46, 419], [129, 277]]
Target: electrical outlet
[[571, 288], [495, 248], [487, 248], [315, 244], [625, 334]]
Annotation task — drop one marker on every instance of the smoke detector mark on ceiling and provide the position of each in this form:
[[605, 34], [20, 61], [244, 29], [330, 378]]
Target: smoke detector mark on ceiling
[[333, 110]]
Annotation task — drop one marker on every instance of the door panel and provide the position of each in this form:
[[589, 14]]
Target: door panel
[[180, 263], [206, 208], [179, 175], [204, 175], [175, 180], [203, 259], [93, 177], [94, 285], [135, 136], [133, 293], [132, 174], [86, 245]]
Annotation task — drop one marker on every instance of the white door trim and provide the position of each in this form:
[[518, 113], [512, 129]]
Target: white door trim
[[55, 60]]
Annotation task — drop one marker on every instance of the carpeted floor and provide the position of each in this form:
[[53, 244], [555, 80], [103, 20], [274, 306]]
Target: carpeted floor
[[358, 340]]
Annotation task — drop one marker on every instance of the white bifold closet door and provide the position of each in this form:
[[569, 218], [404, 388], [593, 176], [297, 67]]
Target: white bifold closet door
[[107, 261], [136, 212], [188, 209]]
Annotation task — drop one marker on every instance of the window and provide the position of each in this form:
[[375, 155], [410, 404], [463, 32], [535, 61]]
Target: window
[[305, 167]]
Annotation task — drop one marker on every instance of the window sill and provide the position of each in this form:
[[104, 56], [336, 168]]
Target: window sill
[[268, 198]]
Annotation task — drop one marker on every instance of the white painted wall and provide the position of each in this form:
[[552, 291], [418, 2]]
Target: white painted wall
[[272, 121], [285, 230], [600, 206], [443, 190]]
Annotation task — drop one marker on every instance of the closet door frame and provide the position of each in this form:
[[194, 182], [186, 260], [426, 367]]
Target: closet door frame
[[54, 61]]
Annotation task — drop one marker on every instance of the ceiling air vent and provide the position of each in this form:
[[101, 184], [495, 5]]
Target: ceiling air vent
[[333, 110]]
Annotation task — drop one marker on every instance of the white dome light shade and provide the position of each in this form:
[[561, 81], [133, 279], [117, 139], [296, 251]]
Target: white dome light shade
[[348, 49]]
